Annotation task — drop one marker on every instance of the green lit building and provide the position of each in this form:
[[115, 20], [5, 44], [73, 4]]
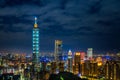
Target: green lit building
[[35, 56]]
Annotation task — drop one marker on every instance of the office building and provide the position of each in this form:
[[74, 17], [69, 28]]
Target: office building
[[70, 62], [58, 51], [61, 66], [90, 53], [112, 70], [35, 42], [53, 67], [77, 62], [82, 54]]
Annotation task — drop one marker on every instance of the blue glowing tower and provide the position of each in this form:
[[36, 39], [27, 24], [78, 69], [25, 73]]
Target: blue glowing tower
[[35, 42]]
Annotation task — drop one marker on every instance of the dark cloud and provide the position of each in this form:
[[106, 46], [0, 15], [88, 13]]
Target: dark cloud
[[79, 23], [14, 24], [96, 7]]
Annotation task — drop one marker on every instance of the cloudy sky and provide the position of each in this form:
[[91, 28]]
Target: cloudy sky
[[79, 23]]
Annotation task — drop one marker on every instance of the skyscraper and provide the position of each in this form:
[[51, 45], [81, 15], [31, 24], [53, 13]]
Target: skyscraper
[[89, 53], [58, 50], [77, 62], [112, 70], [35, 42], [70, 62]]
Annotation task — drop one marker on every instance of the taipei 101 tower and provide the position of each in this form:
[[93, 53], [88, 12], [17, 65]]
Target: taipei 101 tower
[[35, 39]]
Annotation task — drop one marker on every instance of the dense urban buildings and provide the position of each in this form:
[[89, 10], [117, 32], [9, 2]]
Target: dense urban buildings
[[100, 67], [77, 65]]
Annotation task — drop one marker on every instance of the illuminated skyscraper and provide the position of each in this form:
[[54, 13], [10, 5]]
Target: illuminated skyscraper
[[82, 55], [58, 50], [70, 62], [77, 62], [89, 53], [107, 70], [112, 70], [35, 42]]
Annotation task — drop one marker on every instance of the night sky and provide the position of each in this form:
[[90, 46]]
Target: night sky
[[79, 23]]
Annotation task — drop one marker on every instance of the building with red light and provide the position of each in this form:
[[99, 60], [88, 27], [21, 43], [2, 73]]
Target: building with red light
[[82, 55]]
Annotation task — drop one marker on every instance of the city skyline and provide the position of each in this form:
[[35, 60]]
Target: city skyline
[[80, 24]]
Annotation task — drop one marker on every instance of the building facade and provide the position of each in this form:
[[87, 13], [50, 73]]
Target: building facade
[[70, 61], [90, 53], [58, 50], [77, 63], [35, 42]]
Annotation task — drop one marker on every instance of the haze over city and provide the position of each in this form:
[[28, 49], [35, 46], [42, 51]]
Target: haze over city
[[80, 24]]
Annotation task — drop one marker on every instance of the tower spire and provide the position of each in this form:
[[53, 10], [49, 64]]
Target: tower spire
[[35, 24]]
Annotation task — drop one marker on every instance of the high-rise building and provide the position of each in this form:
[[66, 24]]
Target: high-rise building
[[58, 50], [35, 42], [107, 70], [61, 66], [53, 67], [93, 69], [82, 54], [90, 53], [70, 62], [112, 70], [77, 62]]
